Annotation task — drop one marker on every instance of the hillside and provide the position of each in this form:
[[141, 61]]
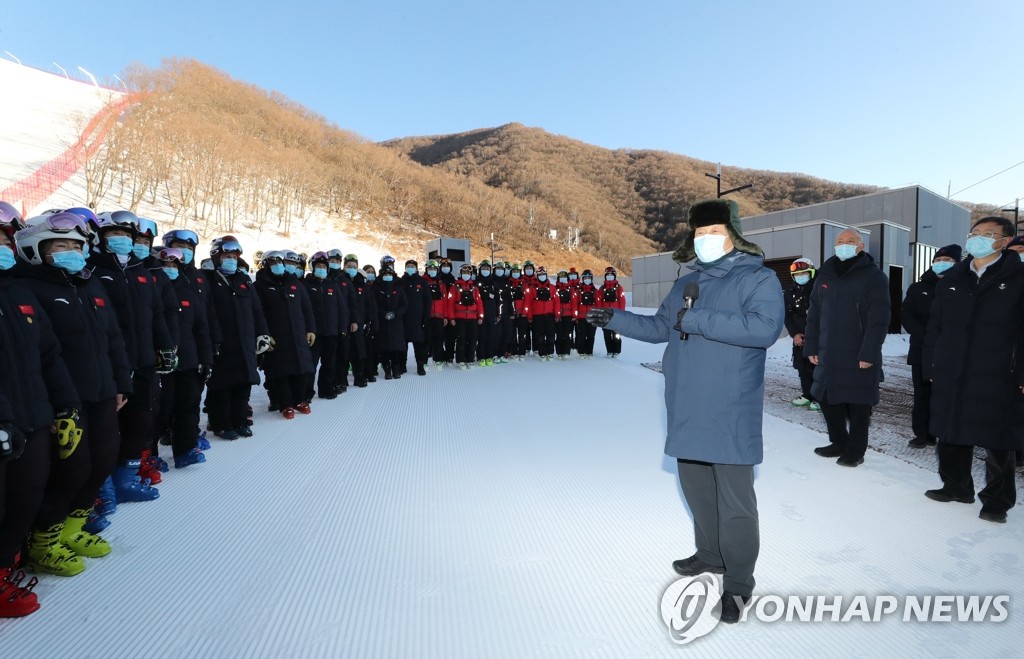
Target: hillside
[[644, 191]]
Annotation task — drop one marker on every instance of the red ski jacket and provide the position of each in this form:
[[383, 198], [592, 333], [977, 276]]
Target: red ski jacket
[[542, 300], [464, 301], [438, 297], [568, 300], [611, 296]]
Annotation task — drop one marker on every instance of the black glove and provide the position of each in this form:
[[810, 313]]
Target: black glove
[[167, 361], [68, 432], [12, 442], [205, 371], [389, 315], [600, 317]]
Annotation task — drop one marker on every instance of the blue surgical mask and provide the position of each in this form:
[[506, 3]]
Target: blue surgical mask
[[277, 269], [141, 251], [466, 276], [187, 254], [320, 273], [387, 278], [588, 281], [6, 257], [291, 269], [334, 266], [612, 277], [563, 280], [710, 247], [980, 246], [172, 273], [446, 270], [410, 271], [573, 277], [431, 273], [1021, 255], [801, 279], [941, 266], [120, 245], [228, 266], [516, 275], [542, 277], [485, 273], [369, 276], [351, 272], [499, 273], [529, 272], [71, 261], [846, 252]]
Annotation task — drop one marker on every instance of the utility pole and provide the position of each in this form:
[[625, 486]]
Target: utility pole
[[718, 183], [1016, 215]]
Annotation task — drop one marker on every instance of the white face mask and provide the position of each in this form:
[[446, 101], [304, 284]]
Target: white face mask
[[709, 247]]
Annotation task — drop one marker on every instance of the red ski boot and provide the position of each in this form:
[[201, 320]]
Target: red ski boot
[[303, 408], [16, 601], [288, 413], [150, 468]]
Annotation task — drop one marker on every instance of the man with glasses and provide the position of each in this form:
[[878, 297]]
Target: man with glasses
[[971, 356], [846, 327]]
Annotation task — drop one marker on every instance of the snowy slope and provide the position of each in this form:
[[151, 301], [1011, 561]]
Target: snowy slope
[[523, 510]]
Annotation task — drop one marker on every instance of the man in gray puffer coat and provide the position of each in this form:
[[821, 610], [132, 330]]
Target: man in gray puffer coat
[[714, 388]]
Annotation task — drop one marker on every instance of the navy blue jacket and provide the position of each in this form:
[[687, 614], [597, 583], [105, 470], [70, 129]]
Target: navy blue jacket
[[330, 305], [86, 325], [914, 314], [289, 315], [33, 380], [240, 318], [194, 345], [418, 299], [389, 297]]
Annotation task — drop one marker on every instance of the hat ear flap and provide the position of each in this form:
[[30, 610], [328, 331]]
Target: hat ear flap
[[686, 253]]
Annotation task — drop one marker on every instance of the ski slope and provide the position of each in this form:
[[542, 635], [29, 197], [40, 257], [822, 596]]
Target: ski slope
[[523, 510]]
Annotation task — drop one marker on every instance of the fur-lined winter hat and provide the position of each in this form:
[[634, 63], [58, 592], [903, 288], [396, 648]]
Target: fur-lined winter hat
[[714, 211]]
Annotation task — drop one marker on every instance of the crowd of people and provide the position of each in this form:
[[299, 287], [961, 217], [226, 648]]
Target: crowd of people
[[111, 333], [965, 336]]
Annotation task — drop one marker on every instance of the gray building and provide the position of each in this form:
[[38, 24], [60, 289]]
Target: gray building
[[902, 230]]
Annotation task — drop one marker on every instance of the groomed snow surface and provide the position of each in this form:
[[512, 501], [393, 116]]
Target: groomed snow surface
[[523, 510]]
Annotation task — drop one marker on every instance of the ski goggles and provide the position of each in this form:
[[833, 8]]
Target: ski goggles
[[334, 254], [171, 255], [319, 256], [120, 219], [181, 235], [57, 223], [145, 227], [231, 246]]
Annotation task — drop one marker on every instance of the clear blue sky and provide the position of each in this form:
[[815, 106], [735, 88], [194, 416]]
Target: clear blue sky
[[884, 93]]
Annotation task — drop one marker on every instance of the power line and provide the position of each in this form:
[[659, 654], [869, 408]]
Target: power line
[[987, 178]]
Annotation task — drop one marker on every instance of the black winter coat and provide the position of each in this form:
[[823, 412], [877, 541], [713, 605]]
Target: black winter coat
[[917, 307], [86, 325], [240, 318], [140, 308], [348, 296], [846, 324], [798, 299], [489, 296], [418, 297], [169, 299], [503, 295], [34, 381], [389, 297], [194, 345], [289, 315], [972, 355], [200, 281], [330, 306], [366, 309]]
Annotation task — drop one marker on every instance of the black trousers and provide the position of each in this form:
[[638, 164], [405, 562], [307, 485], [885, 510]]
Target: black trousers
[[465, 340], [1000, 493], [585, 333], [227, 408], [450, 340], [612, 342], [921, 414], [852, 439], [22, 486], [341, 357], [358, 344], [566, 326], [324, 353], [138, 416], [523, 338], [544, 334], [504, 331], [393, 361], [420, 351], [726, 529], [75, 480], [435, 338], [484, 332], [287, 390], [369, 365], [179, 409]]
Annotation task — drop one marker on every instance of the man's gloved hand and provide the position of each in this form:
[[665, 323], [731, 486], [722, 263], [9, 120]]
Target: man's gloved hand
[[310, 339], [264, 343], [389, 315], [600, 317], [167, 361], [12, 442], [205, 371], [68, 433]]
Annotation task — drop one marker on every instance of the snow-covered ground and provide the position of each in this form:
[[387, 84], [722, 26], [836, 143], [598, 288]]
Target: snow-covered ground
[[522, 510]]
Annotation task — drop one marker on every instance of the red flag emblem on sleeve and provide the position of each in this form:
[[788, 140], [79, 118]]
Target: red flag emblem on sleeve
[[26, 309], [100, 302], [143, 279], [186, 303]]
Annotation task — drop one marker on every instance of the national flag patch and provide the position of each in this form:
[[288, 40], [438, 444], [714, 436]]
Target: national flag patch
[[26, 309], [100, 302], [142, 279], [186, 303]]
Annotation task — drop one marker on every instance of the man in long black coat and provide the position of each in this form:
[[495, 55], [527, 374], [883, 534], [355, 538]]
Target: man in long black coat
[[417, 295], [972, 356], [846, 327], [917, 307]]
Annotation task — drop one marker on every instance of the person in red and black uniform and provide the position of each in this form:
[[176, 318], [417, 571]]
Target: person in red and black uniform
[[392, 304], [466, 310], [568, 301], [420, 300], [585, 331], [517, 291], [611, 296], [543, 311], [438, 320], [448, 278]]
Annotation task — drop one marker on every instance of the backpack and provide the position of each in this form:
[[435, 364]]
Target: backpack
[[564, 295], [544, 293], [587, 298], [609, 294], [517, 292], [466, 298], [435, 291]]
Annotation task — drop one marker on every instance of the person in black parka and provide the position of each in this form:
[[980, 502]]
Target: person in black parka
[[292, 325], [391, 304], [347, 343], [846, 327], [798, 299], [244, 330], [972, 354], [419, 299], [917, 306], [330, 308]]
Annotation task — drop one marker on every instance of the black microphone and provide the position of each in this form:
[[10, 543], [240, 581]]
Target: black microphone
[[690, 293]]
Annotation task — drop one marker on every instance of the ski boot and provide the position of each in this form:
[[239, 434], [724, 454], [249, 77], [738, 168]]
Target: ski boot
[[202, 443], [150, 468], [193, 457], [96, 523], [16, 601], [47, 554], [128, 485], [106, 498], [77, 539]]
